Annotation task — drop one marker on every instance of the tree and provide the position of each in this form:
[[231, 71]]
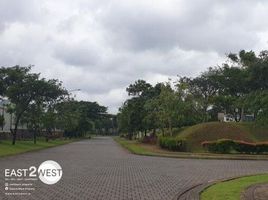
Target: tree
[[27, 91], [170, 108], [151, 120], [50, 121], [133, 113], [257, 103], [33, 118], [139, 89], [78, 117], [2, 120]]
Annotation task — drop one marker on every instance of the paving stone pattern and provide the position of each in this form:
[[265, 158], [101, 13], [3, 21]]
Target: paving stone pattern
[[99, 169], [256, 192]]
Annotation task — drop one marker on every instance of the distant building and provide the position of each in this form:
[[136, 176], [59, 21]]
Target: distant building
[[222, 117], [248, 118], [9, 119]]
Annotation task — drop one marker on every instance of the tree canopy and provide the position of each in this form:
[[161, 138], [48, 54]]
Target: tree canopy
[[241, 84], [43, 104]]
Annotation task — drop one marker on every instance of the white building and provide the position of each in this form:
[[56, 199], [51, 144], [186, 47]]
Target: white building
[[9, 119], [222, 117]]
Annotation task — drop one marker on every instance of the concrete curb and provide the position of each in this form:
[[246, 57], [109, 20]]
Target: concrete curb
[[249, 192], [193, 193]]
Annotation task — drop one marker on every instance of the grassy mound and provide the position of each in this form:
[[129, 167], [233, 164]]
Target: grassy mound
[[195, 135]]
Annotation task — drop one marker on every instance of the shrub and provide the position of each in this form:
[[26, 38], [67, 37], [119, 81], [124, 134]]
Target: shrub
[[152, 139], [262, 147], [227, 145], [219, 146], [172, 144], [245, 147]]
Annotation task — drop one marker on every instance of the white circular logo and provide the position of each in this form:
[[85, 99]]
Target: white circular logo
[[50, 172]]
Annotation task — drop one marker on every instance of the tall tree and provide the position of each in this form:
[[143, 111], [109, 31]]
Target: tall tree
[[24, 89]]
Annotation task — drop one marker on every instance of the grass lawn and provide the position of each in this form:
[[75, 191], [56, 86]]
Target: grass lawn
[[133, 146], [154, 150], [231, 190], [6, 148]]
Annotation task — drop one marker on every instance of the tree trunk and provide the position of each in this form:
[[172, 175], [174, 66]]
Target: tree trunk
[[130, 135], [170, 127], [14, 136], [14, 132], [163, 131], [34, 134], [154, 132]]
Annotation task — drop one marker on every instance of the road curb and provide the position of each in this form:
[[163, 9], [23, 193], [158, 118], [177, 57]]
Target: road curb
[[193, 193]]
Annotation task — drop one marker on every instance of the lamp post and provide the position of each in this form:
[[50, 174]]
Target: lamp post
[[74, 90]]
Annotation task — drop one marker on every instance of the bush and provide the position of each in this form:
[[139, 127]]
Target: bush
[[172, 144], [262, 147], [152, 139], [123, 135], [227, 145], [245, 147]]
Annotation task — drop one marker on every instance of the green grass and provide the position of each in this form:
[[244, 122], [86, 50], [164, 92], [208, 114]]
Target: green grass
[[138, 148], [196, 134], [133, 146], [231, 190], [6, 148]]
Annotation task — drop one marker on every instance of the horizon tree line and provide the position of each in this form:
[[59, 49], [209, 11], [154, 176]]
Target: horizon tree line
[[44, 105], [238, 85]]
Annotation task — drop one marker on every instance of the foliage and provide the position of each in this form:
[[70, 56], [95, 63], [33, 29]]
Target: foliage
[[27, 92], [44, 104], [239, 84], [228, 145], [219, 146], [2, 120], [172, 144]]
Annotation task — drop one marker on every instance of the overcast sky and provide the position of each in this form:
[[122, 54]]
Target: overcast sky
[[101, 46]]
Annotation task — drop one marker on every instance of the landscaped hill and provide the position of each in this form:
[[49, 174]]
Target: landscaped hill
[[195, 135]]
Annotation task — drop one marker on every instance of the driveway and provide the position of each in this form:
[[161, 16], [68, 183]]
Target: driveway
[[99, 169]]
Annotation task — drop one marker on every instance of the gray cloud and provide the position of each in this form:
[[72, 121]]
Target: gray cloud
[[17, 11], [203, 25], [78, 55], [102, 46]]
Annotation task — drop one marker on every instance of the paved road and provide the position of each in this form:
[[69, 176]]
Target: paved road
[[99, 169], [256, 192]]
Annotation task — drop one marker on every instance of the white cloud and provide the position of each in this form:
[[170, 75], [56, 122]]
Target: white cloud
[[103, 46]]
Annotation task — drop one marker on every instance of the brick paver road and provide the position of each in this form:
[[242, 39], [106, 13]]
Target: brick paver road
[[99, 169]]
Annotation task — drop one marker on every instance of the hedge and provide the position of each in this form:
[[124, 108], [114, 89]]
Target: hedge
[[172, 144], [228, 145]]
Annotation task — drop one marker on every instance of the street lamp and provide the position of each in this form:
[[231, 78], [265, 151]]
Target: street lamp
[[74, 90]]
